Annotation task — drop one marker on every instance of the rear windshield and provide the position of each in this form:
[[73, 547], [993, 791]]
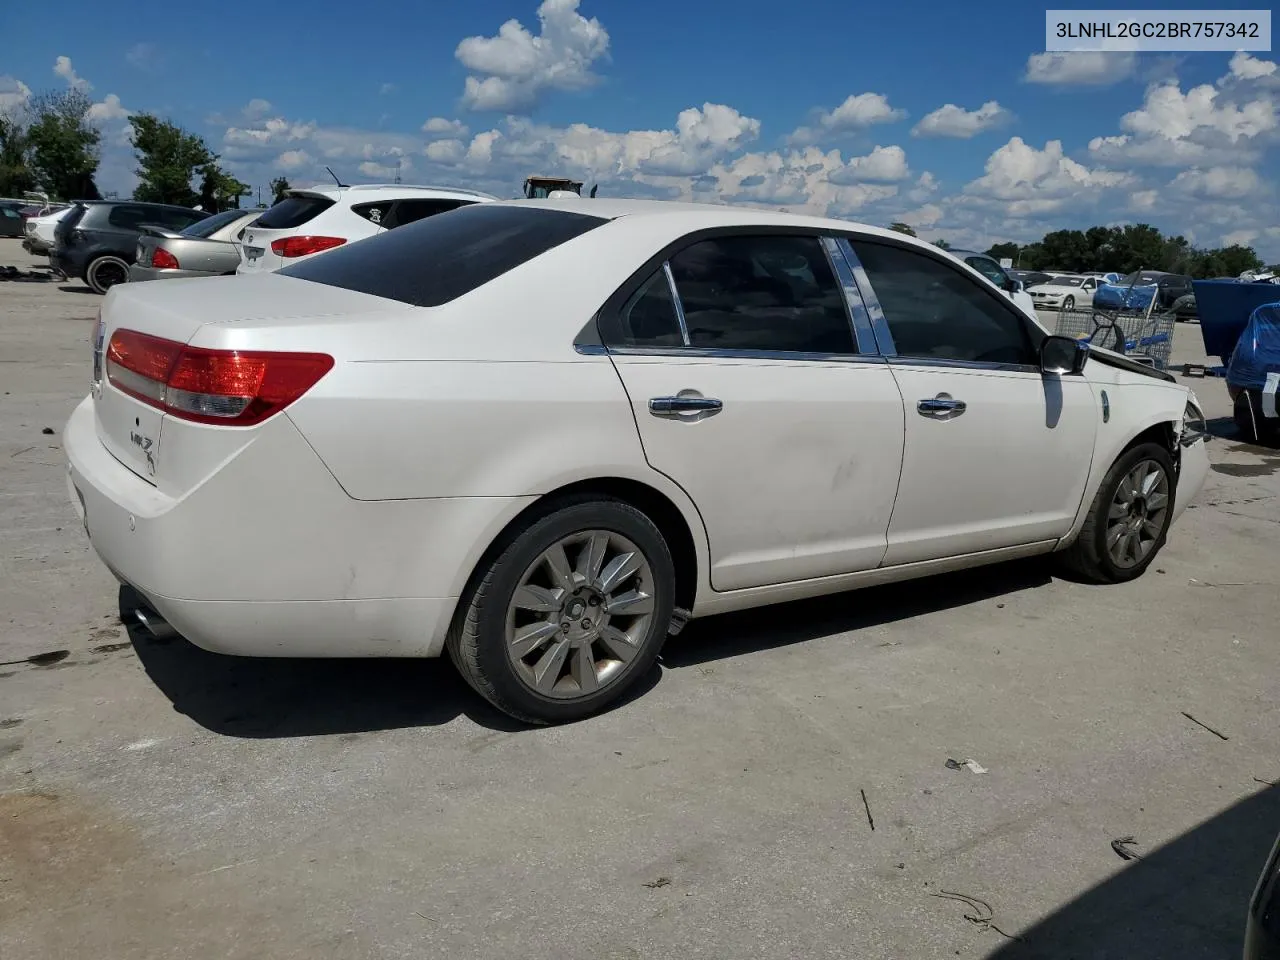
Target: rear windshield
[[292, 212], [438, 259], [211, 225], [68, 223]]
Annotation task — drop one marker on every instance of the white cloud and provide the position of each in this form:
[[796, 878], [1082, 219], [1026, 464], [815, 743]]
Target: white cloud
[[294, 160], [256, 109], [926, 185], [385, 171], [444, 127], [1242, 238], [1143, 200], [1246, 67], [1025, 181], [448, 152], [861, 110], [1169, 113], [108, 110], [387, 89], [1157, 151], [144, 56], [513, 70], [273, 131], [882, 164], [63, 68], [1217, 183], [950, 120], [14, 95], [1081, 68]]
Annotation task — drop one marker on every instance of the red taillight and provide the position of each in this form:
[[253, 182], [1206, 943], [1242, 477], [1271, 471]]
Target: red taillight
[[302, 246], [235, 388], [163, 259]]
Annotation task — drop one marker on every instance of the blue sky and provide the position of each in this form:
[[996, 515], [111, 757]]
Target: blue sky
[[948, 116]]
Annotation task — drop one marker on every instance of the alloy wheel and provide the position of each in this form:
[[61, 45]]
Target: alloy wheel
[[579, 614], [1136, 517]]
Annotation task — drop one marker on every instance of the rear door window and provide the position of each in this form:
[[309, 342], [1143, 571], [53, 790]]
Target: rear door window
[[374, 212], [411, 211], [293, 211], [128, 217], [771, 293], [439, 259], [649, 318]]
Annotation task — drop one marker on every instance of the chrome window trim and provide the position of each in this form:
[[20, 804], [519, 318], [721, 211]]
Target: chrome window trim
[[898, 361], [864, 336], [721, 353], [879, 326], [675, 298]]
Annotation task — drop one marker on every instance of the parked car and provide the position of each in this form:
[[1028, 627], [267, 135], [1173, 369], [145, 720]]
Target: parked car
[[990, 268], [1104, 277], [1030, 278], [1065, 293], [307, 222], [1184, 308], [1169, 286], [39, 231], [98, 239], [204, 249], [10, 222], [724, 408]]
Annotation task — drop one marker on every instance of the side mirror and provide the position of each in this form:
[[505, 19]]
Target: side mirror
[[1062, 356]]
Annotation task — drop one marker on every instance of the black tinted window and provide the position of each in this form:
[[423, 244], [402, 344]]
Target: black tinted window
[[934, 311], [373, 212], [211, 225], [129, 217], [439, 259], [762, 293], [411, 211], [648, 319], [293, 212], [177, 220]]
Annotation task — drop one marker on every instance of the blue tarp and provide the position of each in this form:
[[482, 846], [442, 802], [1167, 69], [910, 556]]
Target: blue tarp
[[1257, 351], [1224, 307], [1111, 296]]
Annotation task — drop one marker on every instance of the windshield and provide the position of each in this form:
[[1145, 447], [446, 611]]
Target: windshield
[[1066, 281], [211, 225]]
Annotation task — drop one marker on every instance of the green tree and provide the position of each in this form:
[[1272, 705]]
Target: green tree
[[278, 186], [168, 159], [219, 190], [999, 251], [64, 145], [1066, 250], [16, 175], [901, 227], [1231, 261], [942, 245]]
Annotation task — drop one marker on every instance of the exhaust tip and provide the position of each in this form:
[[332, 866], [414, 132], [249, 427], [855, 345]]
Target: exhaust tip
[[154, 624]]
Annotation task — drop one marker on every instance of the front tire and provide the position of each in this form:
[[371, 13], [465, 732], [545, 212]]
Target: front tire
[[105, 272], [1129, 519], [1069, 303], [570, 611]]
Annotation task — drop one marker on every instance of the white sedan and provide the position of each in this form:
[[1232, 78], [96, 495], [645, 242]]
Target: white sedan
[[1065, 292], [541, 435]]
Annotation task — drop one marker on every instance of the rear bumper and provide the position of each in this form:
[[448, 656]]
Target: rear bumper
[[269, 557], [137, 273], [70, 266]]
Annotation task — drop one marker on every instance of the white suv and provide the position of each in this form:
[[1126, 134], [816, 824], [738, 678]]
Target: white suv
[[307, 222]]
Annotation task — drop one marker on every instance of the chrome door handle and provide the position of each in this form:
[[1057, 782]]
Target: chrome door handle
[[941, 407], [684, 408]]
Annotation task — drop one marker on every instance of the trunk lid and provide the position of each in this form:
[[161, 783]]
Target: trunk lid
[[135, 431], [287, 218]]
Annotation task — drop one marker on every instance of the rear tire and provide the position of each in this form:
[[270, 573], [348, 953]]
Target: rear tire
[[1128, 520], [105, 272], [568, 611]]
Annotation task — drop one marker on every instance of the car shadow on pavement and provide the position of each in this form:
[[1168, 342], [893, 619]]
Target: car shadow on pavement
[[1187, 899], [69, 289], [764, 628], [266, 698]]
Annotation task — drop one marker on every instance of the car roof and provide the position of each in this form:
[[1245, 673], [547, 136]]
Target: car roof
[[138, 203], [710, 215], [363, 192]]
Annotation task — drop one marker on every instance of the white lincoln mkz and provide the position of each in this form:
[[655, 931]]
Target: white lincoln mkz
[[543, 434]]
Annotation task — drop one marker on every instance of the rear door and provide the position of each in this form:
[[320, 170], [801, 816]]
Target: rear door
[[751, 392], [288, 217], [996, 455]]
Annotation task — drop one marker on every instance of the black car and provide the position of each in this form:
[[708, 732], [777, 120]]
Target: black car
[[96, 241], [10, 221], [1169, 286]]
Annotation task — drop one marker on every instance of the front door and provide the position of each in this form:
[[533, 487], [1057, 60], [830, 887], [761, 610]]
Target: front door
[[749, 392], [996, 454]]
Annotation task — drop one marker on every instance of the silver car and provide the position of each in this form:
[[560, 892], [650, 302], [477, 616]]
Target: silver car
[[204, 249]]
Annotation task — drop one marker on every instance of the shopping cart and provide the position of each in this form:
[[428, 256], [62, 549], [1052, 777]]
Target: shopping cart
[[1144, 336]]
